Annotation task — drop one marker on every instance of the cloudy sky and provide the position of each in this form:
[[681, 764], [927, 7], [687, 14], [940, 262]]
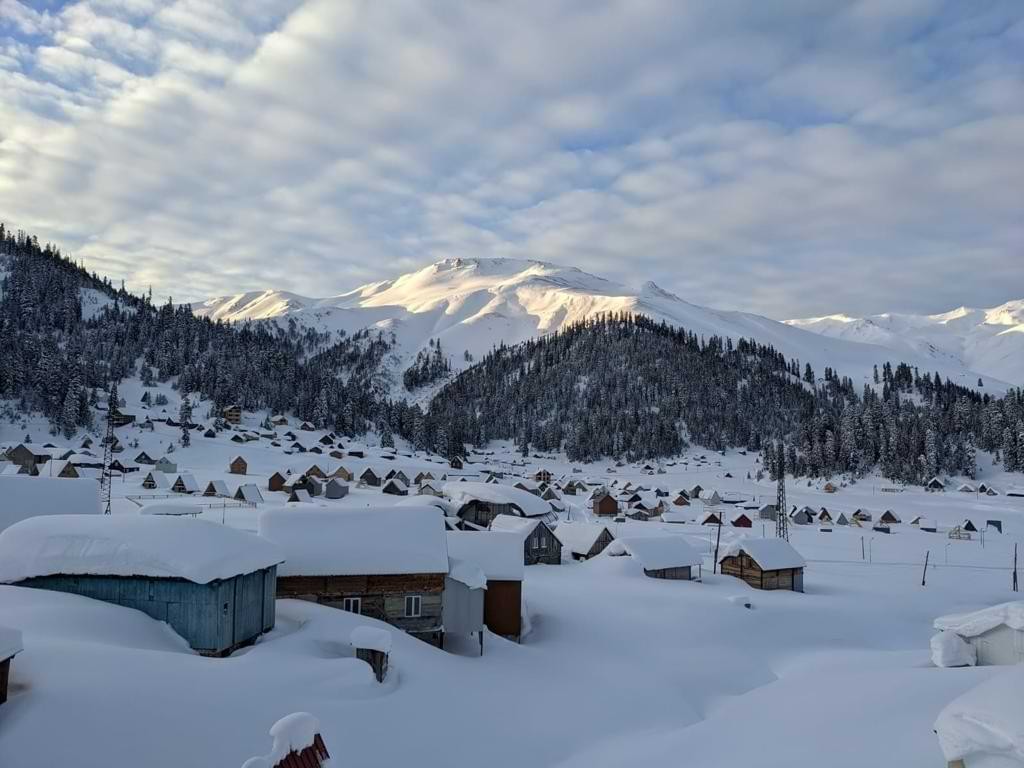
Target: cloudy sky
[[793, 157]]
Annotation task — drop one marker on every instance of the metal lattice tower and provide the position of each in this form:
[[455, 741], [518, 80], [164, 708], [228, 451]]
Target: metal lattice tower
[[781, 511], [108, 452]]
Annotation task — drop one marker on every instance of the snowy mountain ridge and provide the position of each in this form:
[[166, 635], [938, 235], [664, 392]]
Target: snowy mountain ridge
[[983, 339], [472, 305]]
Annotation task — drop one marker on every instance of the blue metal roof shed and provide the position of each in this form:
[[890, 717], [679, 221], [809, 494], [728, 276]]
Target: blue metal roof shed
[[214, 585]]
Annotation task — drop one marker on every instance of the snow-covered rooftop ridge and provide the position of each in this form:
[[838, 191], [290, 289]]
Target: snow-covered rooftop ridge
[[10, 642], [770, 554], [495, 493], [986, 722], [498, 553], [657, 552], [155, 546], [373, 541], [978, 622], [579, 537]]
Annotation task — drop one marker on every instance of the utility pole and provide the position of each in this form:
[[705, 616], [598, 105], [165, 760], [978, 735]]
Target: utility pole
[[924, 574], [718, 540], [781, 511], [1015, 567], [108, 450]]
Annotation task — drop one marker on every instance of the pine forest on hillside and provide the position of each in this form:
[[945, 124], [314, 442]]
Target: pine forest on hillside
[[619, 386]]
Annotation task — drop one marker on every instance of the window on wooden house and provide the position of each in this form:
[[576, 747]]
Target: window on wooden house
[[413, 606], [352, 604]]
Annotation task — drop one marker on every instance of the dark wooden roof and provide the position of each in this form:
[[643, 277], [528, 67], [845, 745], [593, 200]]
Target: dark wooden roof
[[312, 756]]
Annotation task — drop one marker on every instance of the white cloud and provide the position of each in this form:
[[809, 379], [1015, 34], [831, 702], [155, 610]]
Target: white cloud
[[776, 159]]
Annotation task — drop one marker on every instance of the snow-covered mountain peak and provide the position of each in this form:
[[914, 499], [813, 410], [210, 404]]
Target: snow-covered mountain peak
[[989, 340], [473, 304]]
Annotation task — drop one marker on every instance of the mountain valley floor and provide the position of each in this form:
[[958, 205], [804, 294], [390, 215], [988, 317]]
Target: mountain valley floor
[[616, 668]]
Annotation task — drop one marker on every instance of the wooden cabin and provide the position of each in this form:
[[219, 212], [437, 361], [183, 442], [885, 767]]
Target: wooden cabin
[[300, 495], [935, 484], [681, 500], [542, 476], [232, 414], [456, 462], [421, 477], [540, 544], [740, 520], [395, 487], [185, 483], [387, 563], [764, 564], [583, 540], [238, 466], [605, 505], [499, 556], [888, 518], [343, 474], [371, 478], [397, 474], [144, 458], [155, 481], [276, 482], [661, 557], [335, 489], [249, 493], [711, 517], [217, 488], [213, 584]]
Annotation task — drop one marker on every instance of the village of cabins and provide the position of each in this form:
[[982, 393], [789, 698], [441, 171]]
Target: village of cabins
[[434, 548]]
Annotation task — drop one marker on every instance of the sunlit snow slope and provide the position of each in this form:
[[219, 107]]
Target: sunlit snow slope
[[474, 304], [989, 340]]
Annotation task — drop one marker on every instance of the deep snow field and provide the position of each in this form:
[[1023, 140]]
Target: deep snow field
[[618, 669]]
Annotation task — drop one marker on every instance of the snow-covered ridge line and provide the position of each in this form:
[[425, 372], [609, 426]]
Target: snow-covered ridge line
[[471, 305], [984, 339]]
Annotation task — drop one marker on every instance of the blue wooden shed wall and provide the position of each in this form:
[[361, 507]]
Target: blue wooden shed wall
[[213, 618]]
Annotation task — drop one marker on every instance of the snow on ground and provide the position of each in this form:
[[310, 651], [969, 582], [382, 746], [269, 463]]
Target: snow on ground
[[617, 669]]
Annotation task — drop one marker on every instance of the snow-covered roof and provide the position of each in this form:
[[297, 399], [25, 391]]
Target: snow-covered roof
[[10, 642], [979, 622], [986, 722], [770, 554], [372, 638], [358, 542], [130, 545], [579, 537], [657, 552], [467, 573], [22, 497], [521, 526], [463, 493], [675, 516], [498, 553], [292, 733]]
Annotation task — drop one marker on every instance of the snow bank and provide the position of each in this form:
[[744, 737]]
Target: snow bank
[[359, 542], [371, 638], [770, 554], [526, 502], [657, 552], [951, 650], [130, 545], [986, 722], [979, 622], [498, 554], [10, 642], [292, 733], [22, 497]]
